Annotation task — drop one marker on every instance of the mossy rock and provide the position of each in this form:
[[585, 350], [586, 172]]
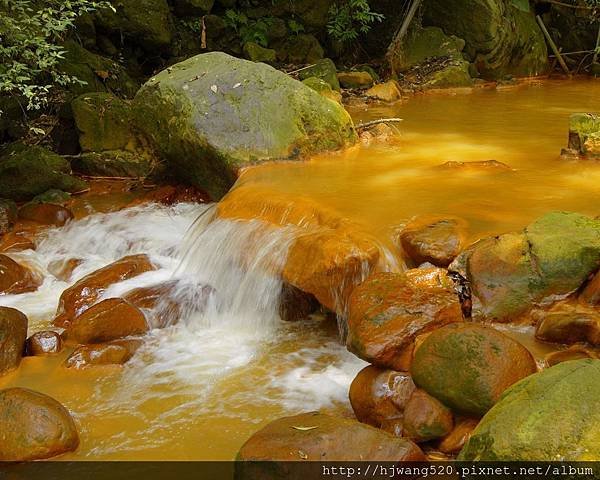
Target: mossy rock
[[584, 134], [53, 196], [114, 163], [512, 273], [214, 114], [27, 171], [104, 122], [98, 74], [323, 88], [148, 23], [300, 49], [550, 416], [499, 38], [255, 53], [452, 76], [325, 70]]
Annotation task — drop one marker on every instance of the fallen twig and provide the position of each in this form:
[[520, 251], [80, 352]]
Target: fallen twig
[[362, 126]]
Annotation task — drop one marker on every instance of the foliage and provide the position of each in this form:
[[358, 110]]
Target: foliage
[[295, 26], [30, 45], [521, 4], [350, 18], [248, 29]]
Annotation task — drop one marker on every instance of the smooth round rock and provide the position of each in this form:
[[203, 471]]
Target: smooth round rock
[[13, 332], [44, 343]]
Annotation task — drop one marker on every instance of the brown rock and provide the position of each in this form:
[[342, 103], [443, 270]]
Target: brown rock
[[456, 439], [591, 293], [386, 92], [576, 352], [295, 304], [63, 269], [568, 323], [113, 353], [79, 297], [318, 437], [158, 299], [46, 214], [108, 320], [390, 310], [426, 418], [379, 397], [13, 332], [34, 426], [44, 343], [15, 278], [434, 239], [17, 241]]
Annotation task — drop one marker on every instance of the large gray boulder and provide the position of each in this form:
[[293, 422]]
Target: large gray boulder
[[214, 114]]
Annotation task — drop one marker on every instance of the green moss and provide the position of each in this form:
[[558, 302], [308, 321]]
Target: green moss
[[450, 77], [256, 53], [114, 163], [325, 70], [57, 197]]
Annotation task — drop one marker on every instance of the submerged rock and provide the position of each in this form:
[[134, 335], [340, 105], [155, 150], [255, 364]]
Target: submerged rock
[[46, 214], [379, 397], [16, 278], [214, 114], [568, 323], [390, 310], [27, 171], [426, 418], [552, 415], [34, 426], [468, 366], [83, 294], [318, 437], [46, 342], [13, 332], [512, 273], [63, 269], [434, 239], [110, 319], [114, 353]]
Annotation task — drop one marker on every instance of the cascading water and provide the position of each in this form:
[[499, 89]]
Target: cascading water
[[229, 360]]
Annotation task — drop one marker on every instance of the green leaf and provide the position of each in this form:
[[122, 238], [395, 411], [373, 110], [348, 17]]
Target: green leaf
[[522, 5]]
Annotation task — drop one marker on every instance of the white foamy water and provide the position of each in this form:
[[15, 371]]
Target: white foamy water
[[229, 355]]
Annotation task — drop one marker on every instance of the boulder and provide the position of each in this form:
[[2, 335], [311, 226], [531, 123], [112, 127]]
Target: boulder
[[568, 323], [45, 214], [390, 310], [213, 114], [512, 273], [379, 397], [16, 278], [455, 75], [27, 171], [45, 342], [329, 260], [255, 53], [325, 70], [110, 319], [8, 215], [388, 92], [118, 352], [147, 23], [433, 239], [468, 366], [355, 79], [34, 426], [426, 418], [300, 49], [551, 415], [86, 291], [13, 332], [319, 437], [584, 135], [296, 305], [500, 39]]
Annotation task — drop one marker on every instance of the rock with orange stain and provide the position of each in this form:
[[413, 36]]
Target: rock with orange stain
[[16, 278], [460, 434], [16, 241], [379, 397], [434, 239], [34, 426], [83, 294], [330, 255], [426, 418], [568, 323], [63, 269], [390, 310], [319, 437], [591, 293], [46, 342], [13, 332], [575, 352], [112, 353], [110, 319], [46, 214]]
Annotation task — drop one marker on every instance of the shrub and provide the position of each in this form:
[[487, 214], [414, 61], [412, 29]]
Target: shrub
[[349, 19]]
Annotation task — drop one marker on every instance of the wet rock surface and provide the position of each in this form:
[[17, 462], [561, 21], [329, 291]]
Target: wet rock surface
[[46, 214], [46, 342], [16, 278], [568, 323], [13, 332], [389, 311], [468, 366], [113, 353], [34, 426], [426, 418]]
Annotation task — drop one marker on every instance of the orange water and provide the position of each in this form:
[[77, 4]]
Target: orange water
[[122, 416]]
